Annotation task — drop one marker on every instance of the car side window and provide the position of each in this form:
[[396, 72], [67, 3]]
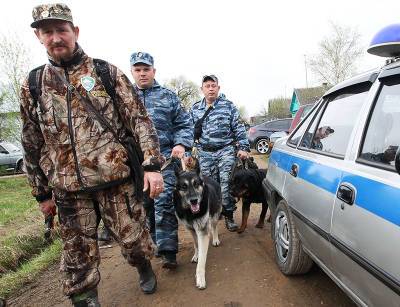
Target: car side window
[[2, 148], [286, 124], [281, 125], [275, 125], [295, 138], [382, 138], [306, 110], [332, 134]]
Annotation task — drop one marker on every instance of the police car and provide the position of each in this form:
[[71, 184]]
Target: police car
[[333, 184]]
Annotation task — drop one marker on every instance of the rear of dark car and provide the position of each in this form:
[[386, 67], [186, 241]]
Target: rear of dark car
[[259, 135]]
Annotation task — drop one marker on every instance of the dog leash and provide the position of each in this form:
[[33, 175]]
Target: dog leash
[[167, 162], [170, 160]]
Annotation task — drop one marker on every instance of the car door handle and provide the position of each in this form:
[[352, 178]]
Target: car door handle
[[346, 193], [294, 170]]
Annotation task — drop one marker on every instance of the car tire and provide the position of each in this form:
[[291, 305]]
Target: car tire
[[262, 146], [20, 167], [288, 250]]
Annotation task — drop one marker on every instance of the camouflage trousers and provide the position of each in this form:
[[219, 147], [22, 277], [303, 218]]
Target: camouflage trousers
[[218, 165], [79, 215], [161, 215]]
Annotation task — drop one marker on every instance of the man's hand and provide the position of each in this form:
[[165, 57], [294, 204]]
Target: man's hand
[[153, 182], [178, 151], [243, 154], [48, 207]]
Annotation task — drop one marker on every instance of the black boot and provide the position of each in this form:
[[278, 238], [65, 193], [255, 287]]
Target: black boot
[[230, 222], [104, 236], [169, 260], [86, 299], [147, 278]]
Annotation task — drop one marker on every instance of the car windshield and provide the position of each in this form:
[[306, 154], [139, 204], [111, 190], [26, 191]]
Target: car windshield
[[10, 147]]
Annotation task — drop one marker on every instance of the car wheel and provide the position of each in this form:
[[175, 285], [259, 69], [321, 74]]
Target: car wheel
[[262, 146], [20, 167], [288, 250]]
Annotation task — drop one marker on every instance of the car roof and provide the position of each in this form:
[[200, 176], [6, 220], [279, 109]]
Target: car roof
[[366, 77], [273, 120]]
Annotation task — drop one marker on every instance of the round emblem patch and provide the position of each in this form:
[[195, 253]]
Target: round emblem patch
[[45, 14]]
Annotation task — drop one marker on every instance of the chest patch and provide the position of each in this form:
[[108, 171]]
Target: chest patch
[[88, 83], [99, 93]]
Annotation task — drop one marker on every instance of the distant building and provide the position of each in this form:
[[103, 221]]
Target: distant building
[[302, 96]]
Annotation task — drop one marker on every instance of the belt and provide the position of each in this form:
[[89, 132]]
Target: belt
[[213, 148]]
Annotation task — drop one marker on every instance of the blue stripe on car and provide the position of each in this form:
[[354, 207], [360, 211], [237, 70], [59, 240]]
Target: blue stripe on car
[[369, 192]]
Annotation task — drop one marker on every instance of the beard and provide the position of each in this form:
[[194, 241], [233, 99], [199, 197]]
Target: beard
[[62, 55]]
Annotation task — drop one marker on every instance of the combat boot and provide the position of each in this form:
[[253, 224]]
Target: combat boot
[[147, 278], [86, 299], [230, 222], [169, 260], [104, 236]]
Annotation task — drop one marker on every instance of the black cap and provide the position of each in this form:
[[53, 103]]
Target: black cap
[[209, 78]]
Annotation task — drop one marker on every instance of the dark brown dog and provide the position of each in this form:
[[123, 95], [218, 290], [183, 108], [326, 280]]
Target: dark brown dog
[[247, 185]]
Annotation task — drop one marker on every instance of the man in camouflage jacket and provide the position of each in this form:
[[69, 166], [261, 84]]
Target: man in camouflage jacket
[[71, 159], [221, 133], [175, 133]]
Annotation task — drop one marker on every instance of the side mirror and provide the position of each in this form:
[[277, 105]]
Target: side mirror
[[397, 160], [4, 152]]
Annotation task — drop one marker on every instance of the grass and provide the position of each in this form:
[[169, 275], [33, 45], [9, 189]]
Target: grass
[[16, 201], [23, 250], [20, 248], [29, 271]]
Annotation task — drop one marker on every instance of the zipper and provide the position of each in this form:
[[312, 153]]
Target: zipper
[[144, 97], [71, 133]]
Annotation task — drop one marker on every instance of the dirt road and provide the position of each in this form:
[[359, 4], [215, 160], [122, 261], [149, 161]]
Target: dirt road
[[240, 272]]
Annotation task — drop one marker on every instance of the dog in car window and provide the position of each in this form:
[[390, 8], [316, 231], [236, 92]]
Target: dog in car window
[[198, 205], [246, 183]]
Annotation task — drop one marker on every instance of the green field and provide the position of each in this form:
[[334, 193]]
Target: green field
[[16, 201], [24, 252]]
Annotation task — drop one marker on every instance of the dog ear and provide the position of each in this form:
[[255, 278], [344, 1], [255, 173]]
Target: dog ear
[[177, 169], [198, 171]]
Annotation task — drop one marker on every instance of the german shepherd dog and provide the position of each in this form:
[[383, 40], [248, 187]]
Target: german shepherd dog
[[246, 183], [198, 205]]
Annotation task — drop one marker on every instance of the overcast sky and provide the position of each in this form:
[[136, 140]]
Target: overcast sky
[[256, 48]]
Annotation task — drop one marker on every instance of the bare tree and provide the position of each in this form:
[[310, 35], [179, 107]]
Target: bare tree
[[243, 112], [187, 91], [279, 107], [338, 55], [13, 69]]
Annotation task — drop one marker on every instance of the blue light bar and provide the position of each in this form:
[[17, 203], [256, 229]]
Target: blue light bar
[[386, 42]]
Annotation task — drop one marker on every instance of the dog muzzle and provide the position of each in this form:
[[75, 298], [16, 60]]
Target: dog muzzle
[[194, 206]]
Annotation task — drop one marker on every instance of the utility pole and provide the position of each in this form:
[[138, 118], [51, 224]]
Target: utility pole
[[305, 66]]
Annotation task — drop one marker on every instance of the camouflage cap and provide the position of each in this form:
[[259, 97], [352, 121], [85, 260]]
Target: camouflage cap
[[58, 11], [142, 57]]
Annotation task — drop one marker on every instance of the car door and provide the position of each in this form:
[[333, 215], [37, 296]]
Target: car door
[[4, 158], [366, 216], [315, 168]]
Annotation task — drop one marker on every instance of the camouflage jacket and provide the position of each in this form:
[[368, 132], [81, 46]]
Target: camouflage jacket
[[221, 127], [171, 120], [67, 149]]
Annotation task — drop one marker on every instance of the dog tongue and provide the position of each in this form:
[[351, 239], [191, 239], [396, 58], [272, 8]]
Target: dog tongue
[[195, 207]]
